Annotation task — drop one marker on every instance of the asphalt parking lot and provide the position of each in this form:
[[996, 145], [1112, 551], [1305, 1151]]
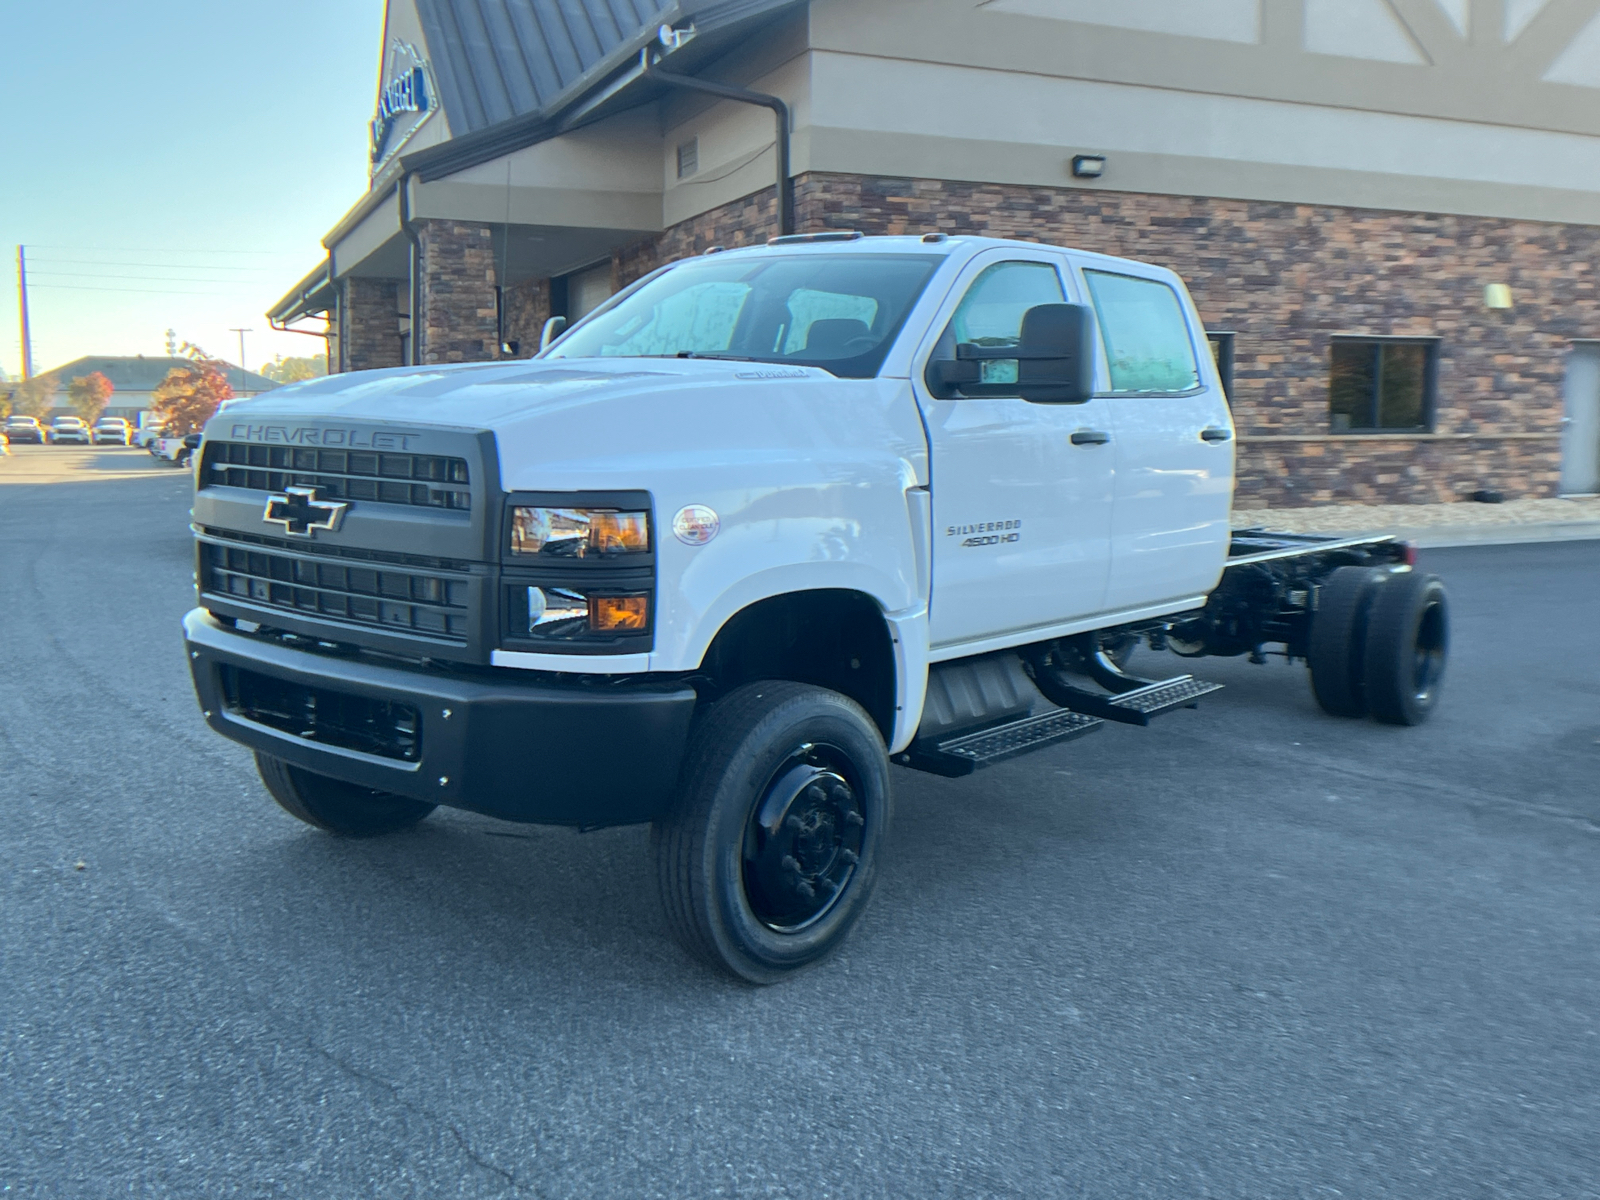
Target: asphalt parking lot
[[1253, 951]]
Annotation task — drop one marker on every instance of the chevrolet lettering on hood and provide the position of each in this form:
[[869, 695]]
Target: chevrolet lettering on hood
[[312, 435]]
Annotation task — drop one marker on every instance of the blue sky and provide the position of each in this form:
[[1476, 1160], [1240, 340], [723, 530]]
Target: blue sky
[[189, 154]]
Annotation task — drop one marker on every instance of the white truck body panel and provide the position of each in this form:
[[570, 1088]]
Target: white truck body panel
[[1174, 490], [867, 485]]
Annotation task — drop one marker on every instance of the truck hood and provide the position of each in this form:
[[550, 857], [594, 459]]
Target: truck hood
[[589, 422], [504, 395]]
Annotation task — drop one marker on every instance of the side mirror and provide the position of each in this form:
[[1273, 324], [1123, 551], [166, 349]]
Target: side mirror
[[553, 328], [1055, 363], [1054, 359]]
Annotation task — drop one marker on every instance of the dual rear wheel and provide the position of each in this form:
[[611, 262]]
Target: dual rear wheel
[[1379, 642]]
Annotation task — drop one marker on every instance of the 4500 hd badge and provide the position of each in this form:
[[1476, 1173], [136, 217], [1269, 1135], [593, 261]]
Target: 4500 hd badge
[[986, 533]]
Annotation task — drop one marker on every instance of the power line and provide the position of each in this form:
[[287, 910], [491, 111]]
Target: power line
[[146, 250], [69, 287], [106, 262], [143, 278]]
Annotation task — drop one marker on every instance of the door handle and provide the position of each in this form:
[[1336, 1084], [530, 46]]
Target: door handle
[[1090, 437], [1216, 435]]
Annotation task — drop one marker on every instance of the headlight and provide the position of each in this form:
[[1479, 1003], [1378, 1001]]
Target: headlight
[[579, 532]]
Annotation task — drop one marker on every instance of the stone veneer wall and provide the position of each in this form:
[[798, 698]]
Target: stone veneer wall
[[369, 325], [1285, 279], [527, 308], [459, 315]]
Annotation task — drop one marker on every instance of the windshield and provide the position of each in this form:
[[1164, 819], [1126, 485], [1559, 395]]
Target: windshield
[[840, 312]]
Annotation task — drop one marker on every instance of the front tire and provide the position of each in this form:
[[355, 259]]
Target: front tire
[[335, 806], [769, 854]]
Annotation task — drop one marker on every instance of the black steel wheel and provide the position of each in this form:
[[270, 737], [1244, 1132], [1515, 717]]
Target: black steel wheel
[[1408, 642], [1336, 649], [336, 806], [767, 857]]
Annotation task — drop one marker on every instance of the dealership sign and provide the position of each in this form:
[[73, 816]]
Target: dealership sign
[[406, 92]]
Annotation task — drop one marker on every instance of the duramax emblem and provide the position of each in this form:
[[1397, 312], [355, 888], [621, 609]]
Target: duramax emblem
[[301, 513]]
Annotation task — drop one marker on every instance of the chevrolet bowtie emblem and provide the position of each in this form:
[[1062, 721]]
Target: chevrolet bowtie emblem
[[301, 514]]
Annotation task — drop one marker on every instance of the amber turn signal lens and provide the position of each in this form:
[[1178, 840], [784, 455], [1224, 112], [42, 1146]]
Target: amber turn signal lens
[[619, 532], [618, 614]]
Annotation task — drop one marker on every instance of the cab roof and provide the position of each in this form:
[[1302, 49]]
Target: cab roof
[[945, 245]]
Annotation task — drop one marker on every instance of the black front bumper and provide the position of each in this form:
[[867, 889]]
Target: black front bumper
[[584, 753]]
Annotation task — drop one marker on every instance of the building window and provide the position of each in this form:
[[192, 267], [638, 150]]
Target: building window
[[688, 158], [1222, 355], [1382, 385]]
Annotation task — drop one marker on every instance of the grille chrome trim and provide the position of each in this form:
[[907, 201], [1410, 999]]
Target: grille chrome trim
[[298, 548], [427, 604], [375, 477]]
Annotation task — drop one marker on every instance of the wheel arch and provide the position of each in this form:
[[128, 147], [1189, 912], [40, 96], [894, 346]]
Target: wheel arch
[[837, 638]]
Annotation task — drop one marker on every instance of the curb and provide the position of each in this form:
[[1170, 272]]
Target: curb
[[1440, 537]]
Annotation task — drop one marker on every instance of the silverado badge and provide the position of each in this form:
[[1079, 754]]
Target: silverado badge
[[301, 513]]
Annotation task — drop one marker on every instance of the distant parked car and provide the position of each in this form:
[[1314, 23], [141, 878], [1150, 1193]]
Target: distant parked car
[[24, 429], [144, 436], [65, 430], [111, 431], [178, 451]]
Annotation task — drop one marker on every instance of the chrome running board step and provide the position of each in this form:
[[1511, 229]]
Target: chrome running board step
[[962, 754], [1138, 706]]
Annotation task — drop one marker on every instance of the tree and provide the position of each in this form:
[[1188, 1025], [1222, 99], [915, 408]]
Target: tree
[[88, 395], [36, 397], [188, 397], [293, 370]]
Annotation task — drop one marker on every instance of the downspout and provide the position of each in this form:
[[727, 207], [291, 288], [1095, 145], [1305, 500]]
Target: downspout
[[326, 335], [725, 91], [413, 357]]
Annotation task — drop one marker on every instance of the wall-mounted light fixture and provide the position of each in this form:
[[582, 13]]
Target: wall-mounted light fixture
[[1088, 166], [1497, 295]]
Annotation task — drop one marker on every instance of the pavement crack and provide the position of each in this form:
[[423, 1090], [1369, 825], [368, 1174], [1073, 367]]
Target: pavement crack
[[461, 1139]]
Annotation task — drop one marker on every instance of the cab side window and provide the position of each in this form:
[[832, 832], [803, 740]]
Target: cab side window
[[1147, 342], [991, 312]]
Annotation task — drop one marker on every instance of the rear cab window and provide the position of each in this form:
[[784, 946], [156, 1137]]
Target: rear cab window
[[1145, 333]]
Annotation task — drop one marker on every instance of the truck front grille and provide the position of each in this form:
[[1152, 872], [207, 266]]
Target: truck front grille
[[399, 600], [420, 480], [383, 727]]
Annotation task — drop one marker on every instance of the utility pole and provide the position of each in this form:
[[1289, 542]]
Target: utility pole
[[22, 295], [241, 333]]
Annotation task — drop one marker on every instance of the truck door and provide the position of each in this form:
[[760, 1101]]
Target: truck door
[[1022, 492], [1173, 437]]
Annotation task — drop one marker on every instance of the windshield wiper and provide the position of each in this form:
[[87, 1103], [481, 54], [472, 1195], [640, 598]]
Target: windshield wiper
[[713, 354]]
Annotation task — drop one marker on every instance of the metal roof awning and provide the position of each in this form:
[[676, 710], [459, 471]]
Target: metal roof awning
[[315, 295]]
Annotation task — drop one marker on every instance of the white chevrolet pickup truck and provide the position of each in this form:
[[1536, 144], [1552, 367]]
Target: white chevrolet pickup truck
[[766, 523]]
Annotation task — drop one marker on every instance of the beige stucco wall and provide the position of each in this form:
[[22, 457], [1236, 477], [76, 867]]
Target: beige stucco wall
[[1007, 91]]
